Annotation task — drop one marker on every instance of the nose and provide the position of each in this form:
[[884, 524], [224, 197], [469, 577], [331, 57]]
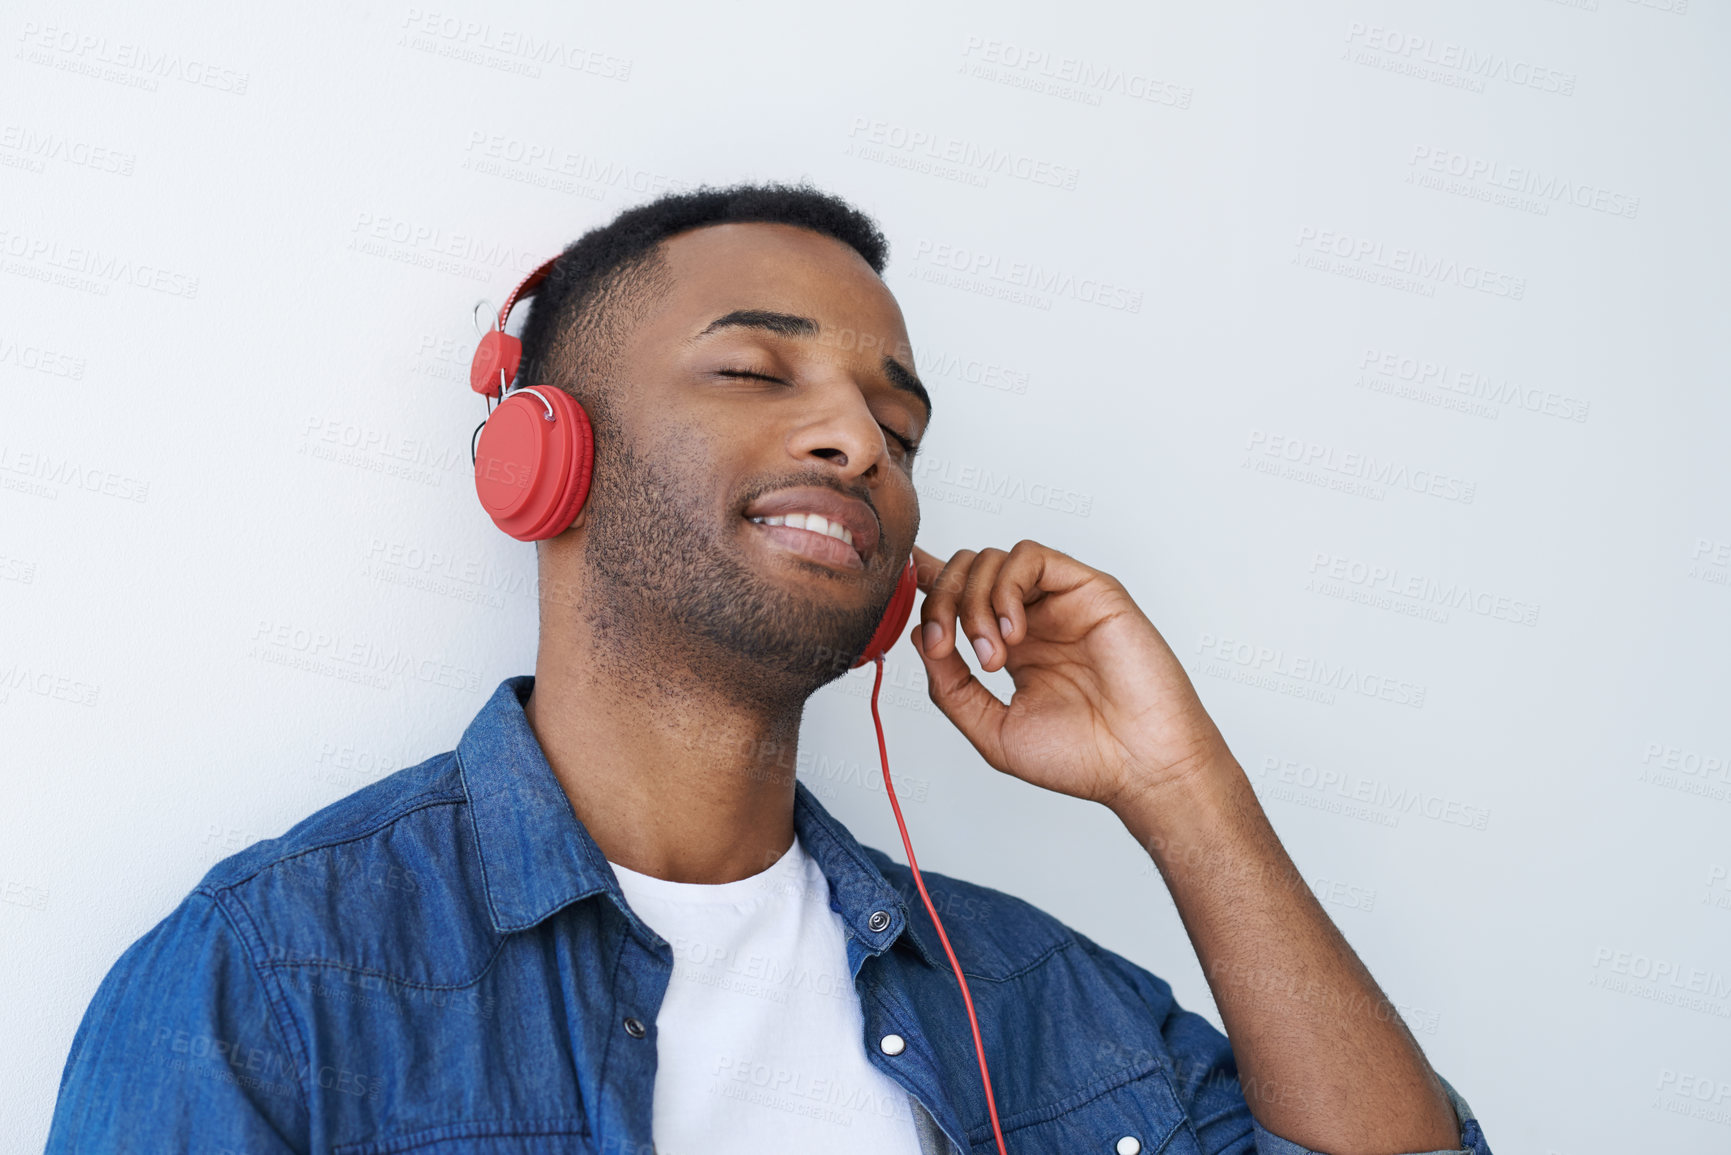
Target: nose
[[838, 429]]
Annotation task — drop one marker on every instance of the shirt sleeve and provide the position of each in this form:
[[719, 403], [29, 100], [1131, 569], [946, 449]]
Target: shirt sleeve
[[1205, 1077], [1472, 1138], [181, 1050]]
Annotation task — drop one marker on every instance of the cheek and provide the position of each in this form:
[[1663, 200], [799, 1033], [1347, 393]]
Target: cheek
[[697, 468], [903, 511]]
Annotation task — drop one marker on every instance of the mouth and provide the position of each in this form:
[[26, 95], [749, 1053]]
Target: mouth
[[818, 544], [819, 524]]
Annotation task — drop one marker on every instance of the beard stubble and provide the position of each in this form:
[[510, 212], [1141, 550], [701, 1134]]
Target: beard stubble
[[671, 592]]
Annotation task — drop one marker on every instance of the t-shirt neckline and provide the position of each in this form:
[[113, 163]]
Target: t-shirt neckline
[[771, 880]]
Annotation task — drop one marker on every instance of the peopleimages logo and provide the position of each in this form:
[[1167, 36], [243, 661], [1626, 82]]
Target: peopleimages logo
[[1002, 486], [554, 160], [1662, 756], [1072, 77], [989, 267], [1276, 668], [136, 65], [935, 362], [969, 155], [90, 268], [1351, 470], [1421, 267], [1468, 383], [1695, 1096], [344, 442], [1385, 797], [1392, 48], [1661, 980], [37, 148], [465, 39], [46, 684], [353, 659], [418, 243], [55, 470], [1374, 578], [1710, 561], [41, 360], [1525, 180]]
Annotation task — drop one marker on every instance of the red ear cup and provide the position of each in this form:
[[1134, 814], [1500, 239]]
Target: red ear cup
[[895, 618], [497, 350], [533, 461]]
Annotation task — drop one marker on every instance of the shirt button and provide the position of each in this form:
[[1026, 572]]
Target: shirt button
[[636, 1029], [1129, 1145], [892, 1044], [878, 920]]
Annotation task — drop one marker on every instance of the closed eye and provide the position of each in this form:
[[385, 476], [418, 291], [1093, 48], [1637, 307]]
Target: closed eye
[[908, 447]]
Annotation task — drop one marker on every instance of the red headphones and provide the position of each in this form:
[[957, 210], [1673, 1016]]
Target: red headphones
[[536, 450]]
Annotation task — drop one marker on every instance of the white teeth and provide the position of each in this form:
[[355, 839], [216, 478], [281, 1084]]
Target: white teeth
[[810, 522]]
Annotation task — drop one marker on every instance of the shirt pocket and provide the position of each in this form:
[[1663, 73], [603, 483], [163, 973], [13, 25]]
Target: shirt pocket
[[534, 1137], [1138, 1105]]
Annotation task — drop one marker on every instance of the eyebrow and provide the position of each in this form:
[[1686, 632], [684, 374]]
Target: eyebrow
[[792, 325]]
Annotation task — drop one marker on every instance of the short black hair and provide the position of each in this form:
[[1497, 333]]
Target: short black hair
[[582, 309]]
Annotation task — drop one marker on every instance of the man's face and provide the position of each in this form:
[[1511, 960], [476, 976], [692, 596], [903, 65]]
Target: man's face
[[773, 382]]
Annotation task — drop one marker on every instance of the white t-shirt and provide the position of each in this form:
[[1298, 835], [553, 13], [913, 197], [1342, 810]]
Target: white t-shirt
[[760, 1038]]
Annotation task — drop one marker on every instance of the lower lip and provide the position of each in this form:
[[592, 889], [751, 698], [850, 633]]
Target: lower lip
[[817, 546]]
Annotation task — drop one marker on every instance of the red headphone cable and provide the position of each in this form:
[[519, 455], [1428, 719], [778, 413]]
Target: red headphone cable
[[907, 844]]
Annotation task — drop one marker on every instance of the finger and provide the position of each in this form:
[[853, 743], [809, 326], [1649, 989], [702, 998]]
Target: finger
[[973, 709], [926, 569], [1017, 585], [938, 610], [1031, 573], [979, 619]]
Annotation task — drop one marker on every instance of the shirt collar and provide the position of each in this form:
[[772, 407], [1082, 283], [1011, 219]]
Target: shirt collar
[[537, 858]]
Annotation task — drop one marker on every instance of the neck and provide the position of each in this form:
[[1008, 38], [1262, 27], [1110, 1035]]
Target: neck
[[675, 775]]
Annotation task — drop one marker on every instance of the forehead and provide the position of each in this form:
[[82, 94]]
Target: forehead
[[720, 268]]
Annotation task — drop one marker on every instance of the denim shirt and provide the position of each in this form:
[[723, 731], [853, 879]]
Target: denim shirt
[[443, 962]]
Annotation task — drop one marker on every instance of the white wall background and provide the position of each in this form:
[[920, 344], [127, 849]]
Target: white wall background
[[1424, 379]]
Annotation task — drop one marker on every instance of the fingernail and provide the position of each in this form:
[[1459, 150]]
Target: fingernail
[[934, 634], [1004, 627], [983, 647]]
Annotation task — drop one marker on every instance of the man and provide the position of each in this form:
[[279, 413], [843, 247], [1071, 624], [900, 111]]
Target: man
[[612, 921]]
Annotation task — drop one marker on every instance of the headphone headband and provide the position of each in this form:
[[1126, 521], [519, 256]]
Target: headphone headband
[[526, 288], [497, 358]]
